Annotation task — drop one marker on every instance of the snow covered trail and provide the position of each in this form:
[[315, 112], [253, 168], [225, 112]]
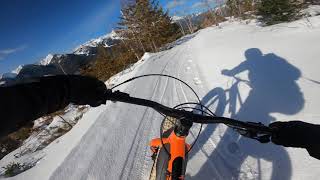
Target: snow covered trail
[[116, 146], [278, 80]]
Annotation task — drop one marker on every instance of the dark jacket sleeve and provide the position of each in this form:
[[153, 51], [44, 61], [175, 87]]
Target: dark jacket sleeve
[[27, 101], [313, 145], [314, 150], [313, 140]]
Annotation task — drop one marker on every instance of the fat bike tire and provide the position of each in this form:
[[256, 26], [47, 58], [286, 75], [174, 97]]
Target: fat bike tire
[[153, 173], [160, 165]]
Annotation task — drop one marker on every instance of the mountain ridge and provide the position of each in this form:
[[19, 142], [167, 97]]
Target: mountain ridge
[[68, 63]]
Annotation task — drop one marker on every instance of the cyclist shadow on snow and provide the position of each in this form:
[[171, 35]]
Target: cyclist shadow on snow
[[273, 90]]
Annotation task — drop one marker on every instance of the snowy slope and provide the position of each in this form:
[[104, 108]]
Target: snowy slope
[[110, 142]]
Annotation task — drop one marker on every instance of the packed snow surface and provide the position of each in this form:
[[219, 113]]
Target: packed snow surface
[[239, 70]]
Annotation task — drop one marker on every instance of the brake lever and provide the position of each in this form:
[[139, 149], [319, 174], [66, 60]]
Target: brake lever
[[254, 134]]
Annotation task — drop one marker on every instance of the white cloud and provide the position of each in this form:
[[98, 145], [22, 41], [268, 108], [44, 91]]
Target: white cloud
[[206, 3], [198, 5], [6, 52], [175, 3]]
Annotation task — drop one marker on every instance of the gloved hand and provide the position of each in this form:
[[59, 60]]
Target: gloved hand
[[87, 90], [295, 134]]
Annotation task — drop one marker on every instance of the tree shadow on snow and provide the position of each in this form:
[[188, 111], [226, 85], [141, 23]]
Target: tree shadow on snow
[[273, 90]]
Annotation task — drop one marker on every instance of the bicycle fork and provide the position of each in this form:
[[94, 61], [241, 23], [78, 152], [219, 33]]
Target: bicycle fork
[[177, 149]]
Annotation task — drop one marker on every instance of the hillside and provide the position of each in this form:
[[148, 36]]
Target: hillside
[[278, 68]]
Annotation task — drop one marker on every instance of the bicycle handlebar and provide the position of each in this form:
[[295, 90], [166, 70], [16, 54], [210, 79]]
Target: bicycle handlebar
[[249, 129]]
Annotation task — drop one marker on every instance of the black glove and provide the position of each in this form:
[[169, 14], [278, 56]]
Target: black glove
[[297, 134], [294, 133], [87, 90]]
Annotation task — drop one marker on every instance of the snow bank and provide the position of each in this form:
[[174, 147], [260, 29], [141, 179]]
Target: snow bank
[[312, 10]]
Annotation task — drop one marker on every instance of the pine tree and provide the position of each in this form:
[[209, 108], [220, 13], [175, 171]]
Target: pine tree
[[277, 11], [109, 61], [146, 26], [234, 7]]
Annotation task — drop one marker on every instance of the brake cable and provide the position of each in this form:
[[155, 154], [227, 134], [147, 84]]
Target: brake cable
[[248, 131], [193, 91]]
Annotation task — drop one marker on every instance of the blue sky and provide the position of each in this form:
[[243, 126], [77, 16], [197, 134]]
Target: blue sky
[[31, 29]]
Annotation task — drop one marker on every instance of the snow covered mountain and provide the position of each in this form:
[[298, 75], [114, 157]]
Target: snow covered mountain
[[176, 18], [46, 60], [62, 63], [89, 47], [196, 19]]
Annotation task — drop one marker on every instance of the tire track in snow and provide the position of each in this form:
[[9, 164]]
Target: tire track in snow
[[195, 72], [163, 90], [225, 166], [210, 145], [144, 119]]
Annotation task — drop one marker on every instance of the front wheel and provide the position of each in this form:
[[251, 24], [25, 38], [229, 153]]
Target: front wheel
[[160, 166], [161, 157]]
